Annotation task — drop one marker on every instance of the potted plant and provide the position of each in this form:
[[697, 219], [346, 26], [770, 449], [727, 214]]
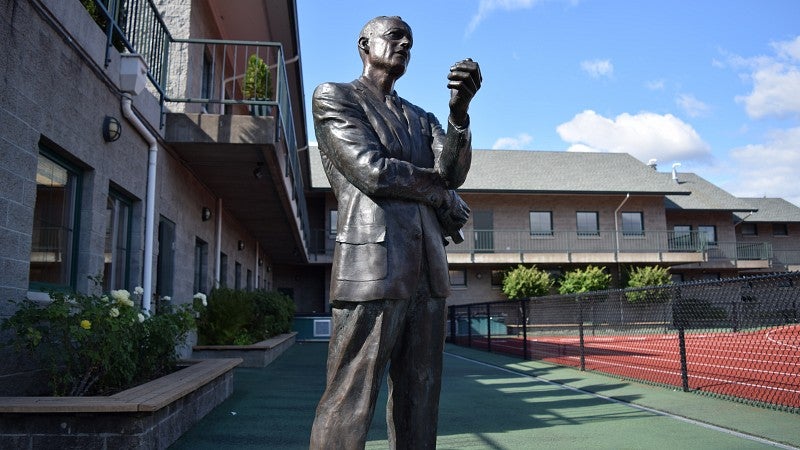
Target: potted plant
[[257, 84]]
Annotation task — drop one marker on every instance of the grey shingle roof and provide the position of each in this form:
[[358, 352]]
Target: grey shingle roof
[[704, 195], [550, 172], [771, 210]]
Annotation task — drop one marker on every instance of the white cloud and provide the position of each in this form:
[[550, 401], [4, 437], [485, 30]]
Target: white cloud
[[644, 135], [598, 68], [655, 85], [776, 81], [691, 105], [520, 142], [487, 6], [768, 169]]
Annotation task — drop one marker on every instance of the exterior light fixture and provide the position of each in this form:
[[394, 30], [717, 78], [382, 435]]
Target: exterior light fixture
[[111, 129], [240, 245], [206, 214]]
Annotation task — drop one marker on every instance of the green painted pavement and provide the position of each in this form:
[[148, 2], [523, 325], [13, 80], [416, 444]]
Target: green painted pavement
[[495, 402]]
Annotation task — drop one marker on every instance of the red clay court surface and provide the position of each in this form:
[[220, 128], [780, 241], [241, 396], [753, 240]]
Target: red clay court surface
[[762, 365]]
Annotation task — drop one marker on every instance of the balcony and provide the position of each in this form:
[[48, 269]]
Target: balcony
[[243, 147]]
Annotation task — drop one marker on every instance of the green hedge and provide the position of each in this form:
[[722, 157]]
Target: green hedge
[[237, 317]]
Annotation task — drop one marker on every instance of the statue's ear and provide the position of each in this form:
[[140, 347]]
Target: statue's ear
[[363, 44]]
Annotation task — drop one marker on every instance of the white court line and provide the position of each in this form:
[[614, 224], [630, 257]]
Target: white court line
[[634, 406]]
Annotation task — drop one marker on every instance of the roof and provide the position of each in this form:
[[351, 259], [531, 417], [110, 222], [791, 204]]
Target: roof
[[550, 172], [704, 195], [771, 210]]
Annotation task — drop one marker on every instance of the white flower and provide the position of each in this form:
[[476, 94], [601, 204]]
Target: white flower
[[104, 298], [202, 297], [120, 295], [141, 317], [113, 312], [138, 290], [127, 302], [166, 298]]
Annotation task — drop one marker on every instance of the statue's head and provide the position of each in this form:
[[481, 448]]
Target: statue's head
[[386, 41]]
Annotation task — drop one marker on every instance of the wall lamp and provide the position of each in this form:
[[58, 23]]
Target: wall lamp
[[240, 245], [112, 129], [205, 214]]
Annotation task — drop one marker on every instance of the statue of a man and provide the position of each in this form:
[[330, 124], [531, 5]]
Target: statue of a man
[[394, 171]]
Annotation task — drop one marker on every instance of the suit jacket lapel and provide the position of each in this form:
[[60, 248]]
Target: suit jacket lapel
[[394, 130]]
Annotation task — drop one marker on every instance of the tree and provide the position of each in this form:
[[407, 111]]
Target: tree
[[524, 282], [641, 277], [585, 280]]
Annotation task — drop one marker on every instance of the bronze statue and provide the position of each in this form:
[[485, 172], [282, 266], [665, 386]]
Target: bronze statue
[[394, 172]]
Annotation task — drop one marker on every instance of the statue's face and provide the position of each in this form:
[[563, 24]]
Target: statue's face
[[390, 46]]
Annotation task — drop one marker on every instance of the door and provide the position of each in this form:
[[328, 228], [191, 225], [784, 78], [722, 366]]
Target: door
[[483, 224]]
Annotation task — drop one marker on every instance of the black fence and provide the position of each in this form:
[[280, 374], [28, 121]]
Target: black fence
[[736, 338]]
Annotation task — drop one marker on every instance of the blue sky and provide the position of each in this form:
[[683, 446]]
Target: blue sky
[[712, 85]]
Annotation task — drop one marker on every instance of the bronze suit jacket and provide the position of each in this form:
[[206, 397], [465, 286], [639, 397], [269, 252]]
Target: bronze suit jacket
[[389, 174]]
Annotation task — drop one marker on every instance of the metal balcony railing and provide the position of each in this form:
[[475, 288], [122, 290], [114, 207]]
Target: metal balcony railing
[[136, 26]]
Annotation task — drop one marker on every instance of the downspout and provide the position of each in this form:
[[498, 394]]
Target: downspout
[[616, 224], [218, 249], [150, 200]]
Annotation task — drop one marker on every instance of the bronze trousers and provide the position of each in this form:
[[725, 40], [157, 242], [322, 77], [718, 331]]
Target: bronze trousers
[[408, 335]]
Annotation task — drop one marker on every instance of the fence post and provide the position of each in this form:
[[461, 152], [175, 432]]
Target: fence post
[[523, 305], [684, 367], [580, 334], [735, 316], [488, 327]]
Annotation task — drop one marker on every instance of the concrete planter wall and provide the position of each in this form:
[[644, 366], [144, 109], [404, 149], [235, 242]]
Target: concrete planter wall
[[260, 354], [149, 416]]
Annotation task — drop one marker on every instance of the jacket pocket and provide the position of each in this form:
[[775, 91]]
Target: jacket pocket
[[361, 262]]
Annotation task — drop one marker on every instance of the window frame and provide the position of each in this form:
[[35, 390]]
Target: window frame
[[119, 201], [780, 229], [595, 232], [540, 232], [701, 232], [748, 229], [463, 274], [68, 277], [200, 283], [633, 232]]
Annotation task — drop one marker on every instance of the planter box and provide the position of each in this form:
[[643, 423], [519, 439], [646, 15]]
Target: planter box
[[152, 415], [260, 354]]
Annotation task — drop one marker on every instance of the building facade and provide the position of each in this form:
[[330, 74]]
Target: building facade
[[130, 155]]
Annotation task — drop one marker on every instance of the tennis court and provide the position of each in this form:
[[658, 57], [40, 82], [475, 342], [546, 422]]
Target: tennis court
[[758, 365], [496, 402]]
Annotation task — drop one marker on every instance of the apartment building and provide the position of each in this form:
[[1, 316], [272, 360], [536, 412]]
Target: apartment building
[[566, 210], [130, 153]]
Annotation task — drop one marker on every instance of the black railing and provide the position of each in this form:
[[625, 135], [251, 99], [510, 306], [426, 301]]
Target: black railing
[[736, 338]]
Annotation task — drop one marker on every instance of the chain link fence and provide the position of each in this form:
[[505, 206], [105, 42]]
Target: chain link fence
[[734, 338]]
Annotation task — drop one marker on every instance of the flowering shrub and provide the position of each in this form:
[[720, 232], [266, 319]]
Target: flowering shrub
[[237, 317], [97, 344]]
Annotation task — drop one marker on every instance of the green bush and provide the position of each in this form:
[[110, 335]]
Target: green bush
[[97, 344], [525, 282], [641, 277], [585, 280], [237, 317]]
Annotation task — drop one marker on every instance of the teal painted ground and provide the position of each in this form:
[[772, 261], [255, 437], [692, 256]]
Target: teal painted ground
[[495, 402]]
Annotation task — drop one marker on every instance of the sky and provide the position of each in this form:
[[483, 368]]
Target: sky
[[711, 85]]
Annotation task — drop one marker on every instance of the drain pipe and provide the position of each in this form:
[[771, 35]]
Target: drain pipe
[[616, 224], [150, 201]]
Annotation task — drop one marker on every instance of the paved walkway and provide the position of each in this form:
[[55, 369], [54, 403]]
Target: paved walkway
[[498, 403]]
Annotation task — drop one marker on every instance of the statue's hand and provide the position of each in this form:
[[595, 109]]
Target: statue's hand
[[453, 215], [464, 81]]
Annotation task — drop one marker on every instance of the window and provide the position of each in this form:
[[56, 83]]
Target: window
[[497, 277], [207, 80], [166, 258], [118, 242], [223, 270], [681, 238], [237, 276], [632, 224], [54, 237], [749, 229], [458, 277], [333, 223], [200, 265], [541, 223], [780, 229], [249, 280], [708, 233], [588, 224]]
